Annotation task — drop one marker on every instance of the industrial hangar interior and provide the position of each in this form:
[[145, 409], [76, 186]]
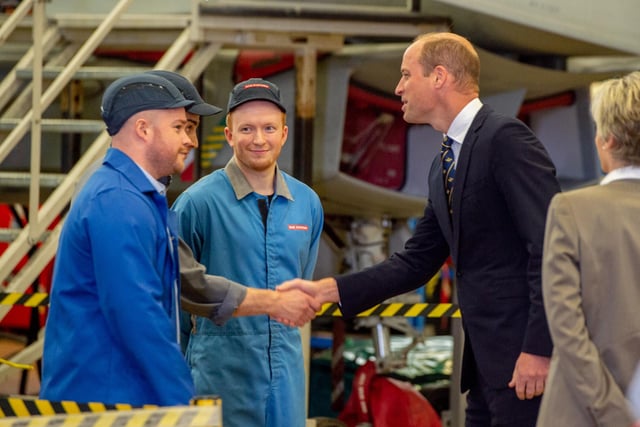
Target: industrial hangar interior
[[337, 64]]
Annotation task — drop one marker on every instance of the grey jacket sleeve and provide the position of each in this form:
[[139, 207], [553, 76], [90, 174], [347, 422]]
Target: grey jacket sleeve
[[205, 295]]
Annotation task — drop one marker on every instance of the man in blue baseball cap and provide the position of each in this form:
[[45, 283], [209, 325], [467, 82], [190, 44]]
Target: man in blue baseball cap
[[112, 334]]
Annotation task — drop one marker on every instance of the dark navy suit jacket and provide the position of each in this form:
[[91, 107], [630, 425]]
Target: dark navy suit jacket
[[503, 185]]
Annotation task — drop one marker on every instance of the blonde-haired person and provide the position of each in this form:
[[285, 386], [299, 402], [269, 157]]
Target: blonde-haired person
[[590, 274]]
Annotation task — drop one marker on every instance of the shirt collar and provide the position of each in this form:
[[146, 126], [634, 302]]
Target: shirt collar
[[242, 187], [160, 187], [461, 124], [627, 172]]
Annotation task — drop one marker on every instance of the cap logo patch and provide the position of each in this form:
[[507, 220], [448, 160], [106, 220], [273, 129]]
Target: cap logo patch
[[250, 85]]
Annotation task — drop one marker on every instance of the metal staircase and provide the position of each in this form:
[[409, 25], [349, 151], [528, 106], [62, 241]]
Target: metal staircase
[[61, 54], [59, 58]]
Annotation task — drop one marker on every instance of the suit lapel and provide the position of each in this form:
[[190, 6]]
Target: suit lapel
[[462, 167]]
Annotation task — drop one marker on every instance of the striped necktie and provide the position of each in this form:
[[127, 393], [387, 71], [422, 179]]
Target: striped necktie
[[448, 167]]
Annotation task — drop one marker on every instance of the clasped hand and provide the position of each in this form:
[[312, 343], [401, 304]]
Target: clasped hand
[[299, 301]]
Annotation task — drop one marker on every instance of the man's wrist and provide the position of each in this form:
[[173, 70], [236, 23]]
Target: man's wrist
[[328, 290]]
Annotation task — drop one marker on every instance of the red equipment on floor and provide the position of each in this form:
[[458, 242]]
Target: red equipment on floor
[[386, 402]]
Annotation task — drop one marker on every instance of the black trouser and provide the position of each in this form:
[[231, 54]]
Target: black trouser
[[489, 407]]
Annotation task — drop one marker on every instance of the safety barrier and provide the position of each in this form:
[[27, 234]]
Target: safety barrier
[[430, 310], [37, 299], [396, 309], [15, 412]]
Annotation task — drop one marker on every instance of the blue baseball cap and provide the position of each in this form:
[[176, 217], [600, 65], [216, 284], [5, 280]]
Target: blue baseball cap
[[189, 91], [140, 92]]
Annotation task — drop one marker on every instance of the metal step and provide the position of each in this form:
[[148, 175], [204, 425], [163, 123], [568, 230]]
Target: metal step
[[8, 235], [60, 125], [84, 73], [22, 179]]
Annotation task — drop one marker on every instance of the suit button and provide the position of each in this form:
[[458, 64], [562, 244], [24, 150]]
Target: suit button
[[458, 273]]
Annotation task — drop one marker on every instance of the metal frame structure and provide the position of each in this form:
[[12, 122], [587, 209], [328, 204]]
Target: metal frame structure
[[191, 40]]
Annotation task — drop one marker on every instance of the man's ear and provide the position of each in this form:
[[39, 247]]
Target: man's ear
[[228, 134], [285, 134], [440, 75], [610, 143], [141, 128]]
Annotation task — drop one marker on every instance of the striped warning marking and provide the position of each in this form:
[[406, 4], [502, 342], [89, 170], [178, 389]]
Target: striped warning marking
[[15, 412], [174, 416], [430, 310], [395, 309], [36, 299], [14, 407]]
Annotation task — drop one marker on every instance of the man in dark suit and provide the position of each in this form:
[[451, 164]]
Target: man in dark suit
[[489, 216]]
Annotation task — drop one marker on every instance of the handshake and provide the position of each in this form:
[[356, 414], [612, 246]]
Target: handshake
[[296, 302], [293, 303]]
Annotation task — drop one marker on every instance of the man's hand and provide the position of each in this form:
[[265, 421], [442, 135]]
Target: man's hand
[[294, 307], [529, 375], [309, 287], [322, 290]]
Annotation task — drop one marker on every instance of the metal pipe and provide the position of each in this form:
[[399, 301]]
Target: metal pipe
[[36, 122], [50, 209], [61, 81], [176, 53], [12, 22], [306, 66]]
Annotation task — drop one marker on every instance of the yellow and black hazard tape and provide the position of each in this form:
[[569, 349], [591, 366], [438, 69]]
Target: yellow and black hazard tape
[[43, 413], [431, 310], [396, 309], [169, 416], [37, 299], [16, 407]]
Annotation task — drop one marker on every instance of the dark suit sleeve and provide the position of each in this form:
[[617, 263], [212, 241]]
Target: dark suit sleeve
[[214, 297], [526, 178], [423, 255]]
